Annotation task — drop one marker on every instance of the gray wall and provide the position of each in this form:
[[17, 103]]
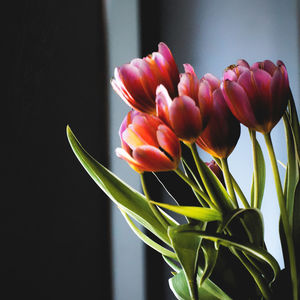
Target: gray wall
[[128, 250], [210, 35]]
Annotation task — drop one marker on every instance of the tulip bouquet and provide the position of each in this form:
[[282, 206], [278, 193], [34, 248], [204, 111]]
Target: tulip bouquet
[[218, 252]]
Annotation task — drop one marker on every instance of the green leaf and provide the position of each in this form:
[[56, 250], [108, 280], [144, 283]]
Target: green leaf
[[207, 291], [294, 122], [261, 174], [292, 171], [203, 214], [125, 197], [186, 246], [165, 252], [255, 251], [246, 223], [215, 187], [210, 256]]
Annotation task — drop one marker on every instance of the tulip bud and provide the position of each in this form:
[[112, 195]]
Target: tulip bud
[[257, 95], [137, 81], [148, 144], [223, 129], [216, 170], [187, 114]]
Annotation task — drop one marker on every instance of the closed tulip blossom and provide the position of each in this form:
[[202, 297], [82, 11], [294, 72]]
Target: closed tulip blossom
[[148, 144], [216, 170], [257, 95], [137, 81], [188, 113], [223, 129]]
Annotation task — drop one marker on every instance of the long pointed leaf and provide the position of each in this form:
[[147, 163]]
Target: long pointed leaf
[[256, 252], [203, 214], [261, 174], [146, 239], [186, 246], [131, 201]]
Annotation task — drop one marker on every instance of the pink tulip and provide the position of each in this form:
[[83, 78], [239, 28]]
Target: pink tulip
[[148, 144], [137, 81], [187, 114], [223, 129], [257, 95]]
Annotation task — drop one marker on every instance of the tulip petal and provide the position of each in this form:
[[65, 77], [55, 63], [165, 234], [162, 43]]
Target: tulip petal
[[214, 82], [150, 81], [230, 75], [256, 83], [188, 85], [168, 141], [244, 63], [132, 80], [163, 101], [280, 94], [166, 53], [131, 138], [238, 102], [223, 130], [141, 125], [121, 153], [185, 118], [152, 159], [189, 69]]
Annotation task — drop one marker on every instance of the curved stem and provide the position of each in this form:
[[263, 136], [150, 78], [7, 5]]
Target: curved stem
[[240, 193], [154, 209], [255, 168], [228, 182], [202, 175], [236, 186], [284, 216]]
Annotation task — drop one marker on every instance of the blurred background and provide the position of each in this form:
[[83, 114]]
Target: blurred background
[[62, 238]]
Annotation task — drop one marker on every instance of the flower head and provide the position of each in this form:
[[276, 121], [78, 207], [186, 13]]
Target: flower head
[[216, 170], [257, 95], [148, 144], [188, 113], [136, 82], [223, 129]]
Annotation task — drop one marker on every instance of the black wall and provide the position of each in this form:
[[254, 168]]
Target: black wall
[[55, 221]]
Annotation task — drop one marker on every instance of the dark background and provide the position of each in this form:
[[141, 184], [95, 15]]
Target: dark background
[[55, 222]]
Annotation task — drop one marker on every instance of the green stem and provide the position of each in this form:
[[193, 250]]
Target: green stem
[[284, 216], [186, 166], [236, 186], [202, 175], [228, 182], [194, 187], [154, 209], [240, 193], [147, 240], [255, 168]]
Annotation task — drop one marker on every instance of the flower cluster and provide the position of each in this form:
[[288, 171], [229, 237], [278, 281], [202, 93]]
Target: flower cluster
[[169, 107], [219, 252]]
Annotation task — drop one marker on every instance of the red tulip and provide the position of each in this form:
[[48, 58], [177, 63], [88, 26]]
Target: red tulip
[[223, 129], [216, 170], [187, 114], [148, 144], [257, 95], [137, 81]]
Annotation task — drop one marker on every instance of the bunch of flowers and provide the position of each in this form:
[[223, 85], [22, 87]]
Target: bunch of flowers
[[219, 252]]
